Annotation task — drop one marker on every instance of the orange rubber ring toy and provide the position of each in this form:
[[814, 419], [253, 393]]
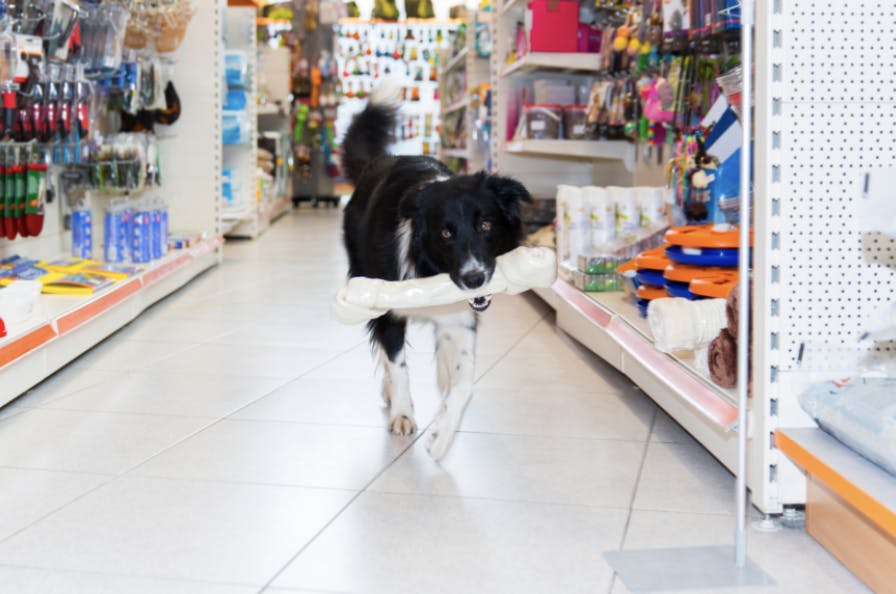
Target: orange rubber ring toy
[[685, 273], [649, 293], [654, 259], [718, 285], [704, 236]]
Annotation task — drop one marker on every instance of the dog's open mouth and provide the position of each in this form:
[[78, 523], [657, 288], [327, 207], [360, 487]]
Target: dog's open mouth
[[480, 304]]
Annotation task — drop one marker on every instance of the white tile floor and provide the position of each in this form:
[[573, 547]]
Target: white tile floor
[[232, 440]]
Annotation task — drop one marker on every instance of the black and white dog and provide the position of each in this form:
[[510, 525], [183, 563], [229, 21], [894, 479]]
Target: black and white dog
[[411, 217]]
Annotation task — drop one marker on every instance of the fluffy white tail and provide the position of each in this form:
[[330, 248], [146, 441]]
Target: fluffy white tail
[[387, 92]]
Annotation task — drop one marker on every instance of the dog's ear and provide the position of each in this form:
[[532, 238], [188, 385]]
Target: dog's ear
[[509, 195], [411, 204]]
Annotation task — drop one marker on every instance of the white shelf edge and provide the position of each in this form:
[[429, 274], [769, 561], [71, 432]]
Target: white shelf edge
[[72, 324], [624, 347], [457, 105], [485, 17], [457, 59], [610, 150], [269, 109], [571, 61]]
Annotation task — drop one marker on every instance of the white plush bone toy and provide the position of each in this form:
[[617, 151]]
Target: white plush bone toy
[[363, 299]]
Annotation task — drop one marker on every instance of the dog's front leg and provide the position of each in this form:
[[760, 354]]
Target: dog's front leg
[[456, 353], [388, 333]]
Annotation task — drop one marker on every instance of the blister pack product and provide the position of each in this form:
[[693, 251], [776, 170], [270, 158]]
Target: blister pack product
[[82, 232]]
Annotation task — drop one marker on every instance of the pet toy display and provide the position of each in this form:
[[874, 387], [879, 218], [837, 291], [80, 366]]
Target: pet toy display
[[519, 270], [407, 52], [685, 325], [723, 349]]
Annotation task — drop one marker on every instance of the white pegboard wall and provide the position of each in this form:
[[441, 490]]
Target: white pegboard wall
[[839, 50], [837, 122]]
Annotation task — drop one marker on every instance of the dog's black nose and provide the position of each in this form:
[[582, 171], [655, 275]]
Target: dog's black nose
[[473, 280]]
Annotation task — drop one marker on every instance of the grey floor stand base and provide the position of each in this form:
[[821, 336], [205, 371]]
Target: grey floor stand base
[[692, 568]]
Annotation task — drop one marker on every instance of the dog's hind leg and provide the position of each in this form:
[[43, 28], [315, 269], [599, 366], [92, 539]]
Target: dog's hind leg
[[456, 354], [388, 334]]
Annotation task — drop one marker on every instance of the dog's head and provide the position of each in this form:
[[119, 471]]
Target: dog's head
[[461, 224]]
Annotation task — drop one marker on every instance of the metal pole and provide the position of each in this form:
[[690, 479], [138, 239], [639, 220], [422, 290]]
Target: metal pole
[[743, 264]]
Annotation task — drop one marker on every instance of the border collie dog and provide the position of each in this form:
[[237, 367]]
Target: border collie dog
[[412, 217]]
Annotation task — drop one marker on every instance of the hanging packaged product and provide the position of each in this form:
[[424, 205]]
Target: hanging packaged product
[[35, 193], [7, 223], [102, 35], [62, 24]]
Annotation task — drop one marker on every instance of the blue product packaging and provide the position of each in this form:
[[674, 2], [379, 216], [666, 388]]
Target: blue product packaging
[[137, 237], [163, 234], [234, 127], [124, 232], [235, 67], [235, 99], [146, 237], [110, 237], [82, 234], [156, 234], [227, 185]]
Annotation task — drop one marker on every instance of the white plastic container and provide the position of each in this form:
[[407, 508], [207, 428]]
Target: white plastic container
[[18, 301], [651, 201], [602, 215], [561, 223], [628, 213], [578, 221]]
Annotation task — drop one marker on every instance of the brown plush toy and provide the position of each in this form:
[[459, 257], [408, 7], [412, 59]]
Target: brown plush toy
[[723, 348]]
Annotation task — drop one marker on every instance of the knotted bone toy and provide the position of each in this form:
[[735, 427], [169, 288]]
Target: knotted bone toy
[[363, 299]]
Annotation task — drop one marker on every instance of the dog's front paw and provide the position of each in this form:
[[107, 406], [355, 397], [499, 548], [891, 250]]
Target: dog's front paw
[[402, 425], [439, 441]]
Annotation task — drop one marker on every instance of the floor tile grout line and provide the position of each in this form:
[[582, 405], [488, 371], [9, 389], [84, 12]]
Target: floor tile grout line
[[631, 505], [345, 507], [512, 346], [366, 487], [163, 450]]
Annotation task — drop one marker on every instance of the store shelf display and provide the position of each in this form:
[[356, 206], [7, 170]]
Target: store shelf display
[[99, 147], [408, 52], [465, 97]]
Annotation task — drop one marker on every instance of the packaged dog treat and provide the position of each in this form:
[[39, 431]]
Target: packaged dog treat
[[543, 121]]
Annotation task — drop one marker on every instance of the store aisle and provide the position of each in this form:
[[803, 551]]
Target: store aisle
[[232, 440]]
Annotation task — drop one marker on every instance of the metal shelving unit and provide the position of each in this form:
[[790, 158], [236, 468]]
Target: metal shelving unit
[[590, 150], [816, 275], [476, 71], [244, 217], [65, 326], [604, 323], [542, 164]]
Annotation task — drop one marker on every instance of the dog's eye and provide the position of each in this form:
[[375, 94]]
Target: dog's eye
[[485, 226], [446, 233]]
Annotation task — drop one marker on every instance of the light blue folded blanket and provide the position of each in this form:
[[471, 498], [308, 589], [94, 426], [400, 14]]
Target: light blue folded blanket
[[861, 413]]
